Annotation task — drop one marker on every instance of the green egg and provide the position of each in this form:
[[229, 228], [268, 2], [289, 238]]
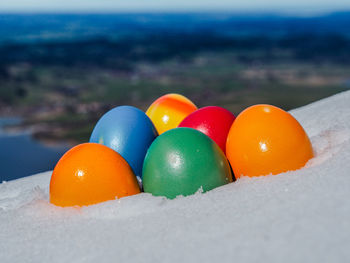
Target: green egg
[[183, 160]]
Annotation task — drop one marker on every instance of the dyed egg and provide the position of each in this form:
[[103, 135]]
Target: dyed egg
[[128, 131], [213, 121], [266, 140], [169, 110], [182, 161], [91, 173]]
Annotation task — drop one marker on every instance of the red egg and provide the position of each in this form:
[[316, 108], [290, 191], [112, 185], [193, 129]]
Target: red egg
[[213, 121]]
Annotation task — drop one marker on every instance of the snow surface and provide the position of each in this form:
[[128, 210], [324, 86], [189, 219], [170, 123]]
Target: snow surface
[[300, 216]]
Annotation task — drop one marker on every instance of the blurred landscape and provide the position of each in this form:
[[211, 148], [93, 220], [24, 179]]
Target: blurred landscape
[[60, 73]]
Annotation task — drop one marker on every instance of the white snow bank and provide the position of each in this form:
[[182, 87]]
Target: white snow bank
[[301, 216]]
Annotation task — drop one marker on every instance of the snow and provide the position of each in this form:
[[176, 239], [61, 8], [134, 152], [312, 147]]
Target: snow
[[299, 216]]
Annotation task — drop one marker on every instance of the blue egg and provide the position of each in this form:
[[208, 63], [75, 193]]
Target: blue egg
[[128, 131]]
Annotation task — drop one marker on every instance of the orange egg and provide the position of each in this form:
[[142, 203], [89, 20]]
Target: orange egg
[[91, 173], [169, 110], [264, 140]]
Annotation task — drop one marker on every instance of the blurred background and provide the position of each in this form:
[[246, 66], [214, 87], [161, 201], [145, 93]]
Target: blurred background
[[65, 63]]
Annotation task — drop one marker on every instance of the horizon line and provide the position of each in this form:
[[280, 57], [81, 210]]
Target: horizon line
[[280, 12]]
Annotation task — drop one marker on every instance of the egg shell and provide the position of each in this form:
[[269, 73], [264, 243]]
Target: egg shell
[[128, 131], [169, 110], [265, 139], [181, 162], [91, 173], [213, 121]]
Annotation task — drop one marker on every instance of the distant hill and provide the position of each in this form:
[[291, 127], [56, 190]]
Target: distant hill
[[52, 27], [118, 40]]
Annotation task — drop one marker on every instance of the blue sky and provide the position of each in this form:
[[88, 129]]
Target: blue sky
[[288, 6]]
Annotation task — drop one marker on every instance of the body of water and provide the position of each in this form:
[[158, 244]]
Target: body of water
[[21, 155]]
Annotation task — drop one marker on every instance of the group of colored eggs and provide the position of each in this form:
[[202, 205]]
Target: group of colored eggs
[[176, 149]]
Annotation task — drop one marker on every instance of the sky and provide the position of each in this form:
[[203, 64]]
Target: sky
[[302, 6]]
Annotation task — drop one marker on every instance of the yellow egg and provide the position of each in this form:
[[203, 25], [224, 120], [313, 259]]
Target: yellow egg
[[169, 110]]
